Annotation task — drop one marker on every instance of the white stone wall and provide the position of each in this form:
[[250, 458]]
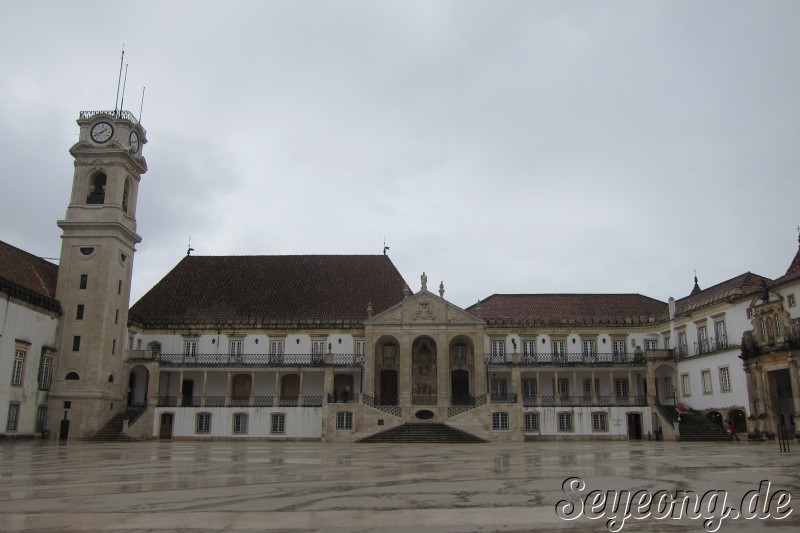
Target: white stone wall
[[717, 399], [19, 322]]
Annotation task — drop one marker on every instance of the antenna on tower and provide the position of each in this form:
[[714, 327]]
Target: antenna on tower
[[141, 106], [121, 59], [124, 82]]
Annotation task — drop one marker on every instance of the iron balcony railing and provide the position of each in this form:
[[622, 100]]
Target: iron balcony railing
[[583, 401], [259, 360], [708, 346], [118, 114], [249, 401], [537, 359], [424, 400]]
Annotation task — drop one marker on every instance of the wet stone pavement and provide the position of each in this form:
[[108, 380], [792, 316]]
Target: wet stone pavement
[[291, 486]]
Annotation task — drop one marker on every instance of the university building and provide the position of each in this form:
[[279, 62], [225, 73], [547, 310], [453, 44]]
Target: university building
[[342, 348]]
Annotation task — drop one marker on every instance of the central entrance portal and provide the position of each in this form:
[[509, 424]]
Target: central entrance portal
[[423, 370]]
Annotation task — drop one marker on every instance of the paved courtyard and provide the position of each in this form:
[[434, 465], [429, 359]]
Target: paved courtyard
[[257, 486]]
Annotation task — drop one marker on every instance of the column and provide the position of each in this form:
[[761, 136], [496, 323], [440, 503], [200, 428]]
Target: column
[[630, 387], [594, 389], [442, 369], [538, 389], [795, 383], [404, 369], [180, 390], [228, 390], [203, 392], [300, 392], [252, 399], [516, 382], [276, 399], [556, 393], [478, 366], [328, 386], [613, 392]]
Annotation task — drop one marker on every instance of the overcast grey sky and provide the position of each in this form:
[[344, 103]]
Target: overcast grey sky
[[514, 147]]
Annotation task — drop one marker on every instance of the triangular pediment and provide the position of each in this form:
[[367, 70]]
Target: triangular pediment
[[424, 307]]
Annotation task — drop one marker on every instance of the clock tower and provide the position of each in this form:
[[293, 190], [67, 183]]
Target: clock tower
[[94, 276]]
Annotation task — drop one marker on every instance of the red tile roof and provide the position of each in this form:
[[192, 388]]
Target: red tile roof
[[271, 290], [570, 308], [28, 277], [733, 289]]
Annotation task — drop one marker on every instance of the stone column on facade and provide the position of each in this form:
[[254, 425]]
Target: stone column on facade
[[328, 386], [251, 400], [203, 392], [651, 385], [368, 370], [516, 382], [791, 359], [478, 367], [763, 394], [556, 392], [404, 386], [180, 389], [442, 368], [593, 389], [752, 392], [300, 389], [575, 383], [611, 383], [228, 389], [277, 394], [630, 386], [538, 388]]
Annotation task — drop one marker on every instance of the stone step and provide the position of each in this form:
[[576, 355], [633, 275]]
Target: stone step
[[431, 433]]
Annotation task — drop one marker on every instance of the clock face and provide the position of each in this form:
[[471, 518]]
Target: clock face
[[134, 141], [101, 132]]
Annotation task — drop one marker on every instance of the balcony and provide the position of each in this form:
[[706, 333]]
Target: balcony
[[704, 347], [565, 359], [249, 360]]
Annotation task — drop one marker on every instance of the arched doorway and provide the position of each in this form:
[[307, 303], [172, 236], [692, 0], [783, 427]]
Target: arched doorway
[[459, 387], [715, 417], [137, 386], [737, 415], [388, 392]]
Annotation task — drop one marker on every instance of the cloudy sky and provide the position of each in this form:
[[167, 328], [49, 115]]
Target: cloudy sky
[[502, 147]]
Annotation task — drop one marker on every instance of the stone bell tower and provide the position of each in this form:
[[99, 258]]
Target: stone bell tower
[[94, 275]]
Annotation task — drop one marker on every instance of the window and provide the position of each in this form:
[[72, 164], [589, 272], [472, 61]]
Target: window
[[559, 348], [763, 324], [650, 344], [190, 348], [682, 343], [318, 347], [45, 372], [278, 423], [72, 376], [498, 387], [565, 421], [618, 347], [113, 346], [686, 385], [84, 281], [203, 423], [389, 352], [119, 287], [563, 387], [16, 371], [529, 388], [792, 301], [498, 348], [621, 387], [236, 347], [344, 420], [587, 386], [599, 421], [76, 343], [13, 417], [725, 379], [707, 389], [240, 423], [499, 421], [531, 421], [41, 418], [589, 347], [702, 339], [359, 347], [276, 347], [720, 334], [528, 348], [79, 312], [116, 316], [778, 327], [460, 354], [666, 343]]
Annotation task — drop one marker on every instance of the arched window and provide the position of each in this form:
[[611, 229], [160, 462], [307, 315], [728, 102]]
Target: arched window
[[111, 378], [72, 376], [97, 189]]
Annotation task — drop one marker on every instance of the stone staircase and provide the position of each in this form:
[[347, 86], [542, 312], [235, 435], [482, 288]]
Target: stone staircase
[[112, 430], [429, 433], [694, 427]]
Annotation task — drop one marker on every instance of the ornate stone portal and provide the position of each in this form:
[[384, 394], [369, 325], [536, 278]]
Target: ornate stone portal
[[423, 372]]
